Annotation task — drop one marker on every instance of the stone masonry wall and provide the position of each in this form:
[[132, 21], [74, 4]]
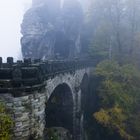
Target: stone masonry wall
[[28, 114]]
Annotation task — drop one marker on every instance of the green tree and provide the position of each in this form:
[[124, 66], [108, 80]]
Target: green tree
[[119, 94], [6, 124]]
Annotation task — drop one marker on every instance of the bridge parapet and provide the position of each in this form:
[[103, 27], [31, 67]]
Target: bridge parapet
[[29, 75], [26, 86]]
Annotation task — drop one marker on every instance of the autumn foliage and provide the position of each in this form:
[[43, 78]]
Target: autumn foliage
[[6, 124]]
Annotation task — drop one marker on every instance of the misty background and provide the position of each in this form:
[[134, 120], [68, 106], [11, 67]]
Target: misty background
[[11, 14]]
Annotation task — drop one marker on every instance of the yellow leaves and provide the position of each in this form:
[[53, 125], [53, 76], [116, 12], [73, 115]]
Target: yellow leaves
[[120, 84], [108, 69], [119, 92], [110, 116], [102, 117], [114, 93], [113, 118]]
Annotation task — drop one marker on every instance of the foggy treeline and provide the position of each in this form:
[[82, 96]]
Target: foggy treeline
[[112, 32], [114, 28]]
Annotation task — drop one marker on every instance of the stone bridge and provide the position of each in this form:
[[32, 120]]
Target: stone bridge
[[44, 94]]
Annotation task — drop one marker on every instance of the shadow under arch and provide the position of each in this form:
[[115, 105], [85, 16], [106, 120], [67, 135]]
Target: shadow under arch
[[59, 108], [85, 103], [84, 91]]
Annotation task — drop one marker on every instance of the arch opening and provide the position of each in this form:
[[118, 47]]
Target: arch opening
[[84, 92], [59, 108]]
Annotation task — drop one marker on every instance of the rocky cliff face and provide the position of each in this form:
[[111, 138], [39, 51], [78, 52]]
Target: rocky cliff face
[[50, 30]]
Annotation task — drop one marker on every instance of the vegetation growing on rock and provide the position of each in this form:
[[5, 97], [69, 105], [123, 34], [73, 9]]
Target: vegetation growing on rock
[[119, 94], [114, 34], [6, 124]]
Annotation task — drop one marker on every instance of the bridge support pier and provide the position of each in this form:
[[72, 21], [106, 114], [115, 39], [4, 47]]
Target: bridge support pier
[[27, 113], [26, 88], [77, 117]]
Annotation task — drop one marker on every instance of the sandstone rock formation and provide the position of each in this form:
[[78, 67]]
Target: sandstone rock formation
[[50, 30]]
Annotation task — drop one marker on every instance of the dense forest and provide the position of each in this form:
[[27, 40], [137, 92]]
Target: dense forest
[[113, 34]]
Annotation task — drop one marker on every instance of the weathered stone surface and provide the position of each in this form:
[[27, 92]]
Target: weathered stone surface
[[29, 111], [50, 30]]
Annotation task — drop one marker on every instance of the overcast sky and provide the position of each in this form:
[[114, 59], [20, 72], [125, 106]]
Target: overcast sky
[[11, 14]]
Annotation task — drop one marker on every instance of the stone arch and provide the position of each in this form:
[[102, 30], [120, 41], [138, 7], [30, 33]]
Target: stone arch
[[59, 108]]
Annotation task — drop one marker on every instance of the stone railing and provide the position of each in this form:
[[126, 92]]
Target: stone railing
[[29, 75]]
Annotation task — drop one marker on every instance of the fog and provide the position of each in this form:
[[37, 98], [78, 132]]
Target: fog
[[11, 14]]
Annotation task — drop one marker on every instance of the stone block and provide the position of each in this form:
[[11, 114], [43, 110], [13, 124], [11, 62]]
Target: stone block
[[18, 124], [18, 134], [9, 105], [17, 103], [19, 109], [26, 133]]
